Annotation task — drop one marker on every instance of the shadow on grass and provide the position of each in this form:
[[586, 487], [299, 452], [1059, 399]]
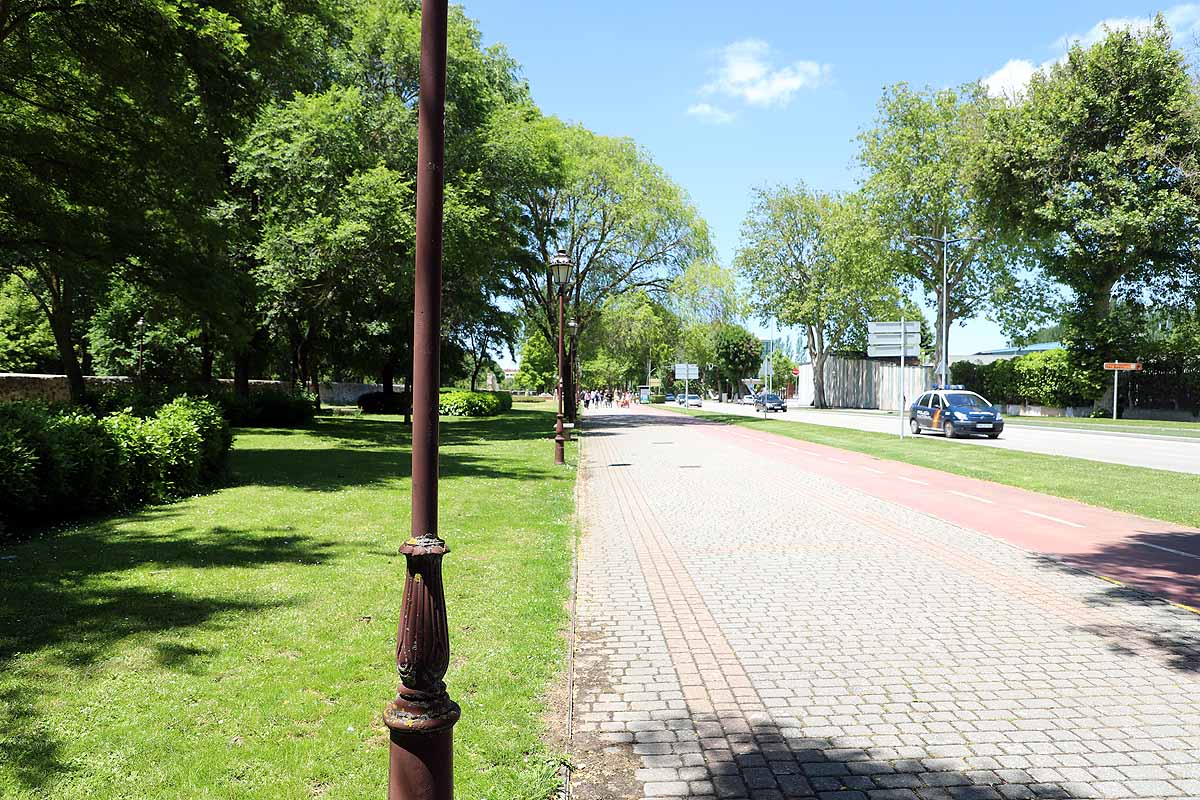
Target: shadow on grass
[[376, 450], [68, 605]]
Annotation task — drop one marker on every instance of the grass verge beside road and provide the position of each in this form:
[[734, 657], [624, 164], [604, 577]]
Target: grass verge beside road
[[240, 644], [1158, 494]]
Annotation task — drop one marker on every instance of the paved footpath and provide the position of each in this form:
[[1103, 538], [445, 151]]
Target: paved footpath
[[750, 629]]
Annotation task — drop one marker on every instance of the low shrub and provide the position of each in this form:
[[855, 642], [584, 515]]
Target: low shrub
[[59, 464], [658, 398], [462, 403], [269, 407], [381, 403]]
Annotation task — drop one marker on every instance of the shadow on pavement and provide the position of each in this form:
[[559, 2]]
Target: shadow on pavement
[[1172, 634]]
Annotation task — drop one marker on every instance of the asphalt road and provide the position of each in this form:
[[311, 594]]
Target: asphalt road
[[1178, 454]]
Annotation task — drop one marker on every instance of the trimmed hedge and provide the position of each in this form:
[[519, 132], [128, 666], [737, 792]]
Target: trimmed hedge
[[58, 464], [381, 403], [658, 398], [463, 403], [269, 407], [1045, 378]]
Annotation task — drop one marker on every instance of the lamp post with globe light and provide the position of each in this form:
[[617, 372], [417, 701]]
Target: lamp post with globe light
[[560, 266]]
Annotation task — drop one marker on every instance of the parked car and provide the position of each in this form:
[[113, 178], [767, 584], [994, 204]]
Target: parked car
[[770, 402], [693, 400], [955, 412], [748, 399], [670, 398]]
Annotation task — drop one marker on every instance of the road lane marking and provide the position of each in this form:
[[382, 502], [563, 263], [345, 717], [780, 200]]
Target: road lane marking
[[913, 480], [838, 460], [872, 469], [973, 497], [1052, 519], [1168, 549]]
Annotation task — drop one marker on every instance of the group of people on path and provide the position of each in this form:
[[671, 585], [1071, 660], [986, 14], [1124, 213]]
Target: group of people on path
[[595, 398]]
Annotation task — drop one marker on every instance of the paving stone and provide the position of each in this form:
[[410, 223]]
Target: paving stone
[[749, 629]]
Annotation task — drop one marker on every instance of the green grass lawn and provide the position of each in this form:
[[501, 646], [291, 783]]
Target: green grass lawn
[[1156, 427], [1159, 494], [240, 644]]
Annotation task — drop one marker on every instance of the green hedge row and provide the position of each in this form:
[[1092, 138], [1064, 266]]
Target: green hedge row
[[266, 407], [1045, 378], [58, 464], [463, 403]]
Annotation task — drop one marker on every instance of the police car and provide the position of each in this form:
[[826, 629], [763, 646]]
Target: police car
[[955, 412]]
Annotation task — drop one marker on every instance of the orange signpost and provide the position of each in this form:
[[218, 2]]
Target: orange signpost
[[1117, 367]]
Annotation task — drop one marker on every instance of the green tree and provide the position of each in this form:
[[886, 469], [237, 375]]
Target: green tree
[[1090, 170], [920, 160], [813, 260], [26, 343], [625, 224], [737, 353], [538, 366]]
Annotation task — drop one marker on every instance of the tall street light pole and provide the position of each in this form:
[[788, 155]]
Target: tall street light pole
[[561, 266], [141, 326], [945, 241], [421, 717]]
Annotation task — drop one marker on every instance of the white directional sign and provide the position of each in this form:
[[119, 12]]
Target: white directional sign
[[884, 339], [687, 372]]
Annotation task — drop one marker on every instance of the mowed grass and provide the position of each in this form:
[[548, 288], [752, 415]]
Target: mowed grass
[[1158, 494], [1154, 427], [241, 644]]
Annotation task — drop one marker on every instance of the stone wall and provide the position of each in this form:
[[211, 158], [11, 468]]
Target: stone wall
[[53, 388]]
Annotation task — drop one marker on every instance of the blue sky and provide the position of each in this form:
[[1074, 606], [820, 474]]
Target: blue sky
[[729, 96]]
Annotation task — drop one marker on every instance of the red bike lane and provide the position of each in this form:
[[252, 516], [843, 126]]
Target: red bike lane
[[1158, 557]]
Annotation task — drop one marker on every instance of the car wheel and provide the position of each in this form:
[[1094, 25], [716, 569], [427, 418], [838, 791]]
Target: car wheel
[[914, 426], [993, 436], [948, 429]]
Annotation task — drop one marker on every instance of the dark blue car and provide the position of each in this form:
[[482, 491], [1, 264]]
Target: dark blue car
[[955, 412]]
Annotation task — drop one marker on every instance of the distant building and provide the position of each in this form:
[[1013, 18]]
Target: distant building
[[1005, 353]]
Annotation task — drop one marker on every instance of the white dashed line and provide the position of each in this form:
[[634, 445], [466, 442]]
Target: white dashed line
[[872, 469], [913, 480], [1168, 549], [1052, 519], [838, 460], [976, 498]]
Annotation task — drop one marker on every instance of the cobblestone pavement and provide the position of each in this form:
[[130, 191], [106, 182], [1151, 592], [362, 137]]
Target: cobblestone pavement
[[750, 631]]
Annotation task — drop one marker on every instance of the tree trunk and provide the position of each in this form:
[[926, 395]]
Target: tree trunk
[[60, 325], [475, 372], [387, 375]]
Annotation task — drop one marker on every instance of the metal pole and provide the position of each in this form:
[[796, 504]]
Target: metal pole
[[945, 306], [1116, 374], [421, 717], [559, 437], [903, 348]]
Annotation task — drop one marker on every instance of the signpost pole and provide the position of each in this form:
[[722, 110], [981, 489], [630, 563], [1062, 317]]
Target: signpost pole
[[1116, 375]]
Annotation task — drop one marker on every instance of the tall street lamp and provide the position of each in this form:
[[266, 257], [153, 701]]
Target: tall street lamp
[[560, 266], [945, 241], [421, 717]]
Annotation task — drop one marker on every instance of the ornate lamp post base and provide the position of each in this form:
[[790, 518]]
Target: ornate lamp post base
[[421, 717]]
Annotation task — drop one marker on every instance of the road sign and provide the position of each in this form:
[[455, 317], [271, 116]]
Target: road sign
[[796, 371], [884, 339], [1123, 366], [687, 372]]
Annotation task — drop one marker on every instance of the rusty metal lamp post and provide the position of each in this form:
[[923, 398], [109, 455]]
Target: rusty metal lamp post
[[560, 264], [421, 717]]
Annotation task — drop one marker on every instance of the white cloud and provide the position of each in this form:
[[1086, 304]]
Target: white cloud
[[745, 72], [1011, 79], [710, 113], [1183, 20]]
